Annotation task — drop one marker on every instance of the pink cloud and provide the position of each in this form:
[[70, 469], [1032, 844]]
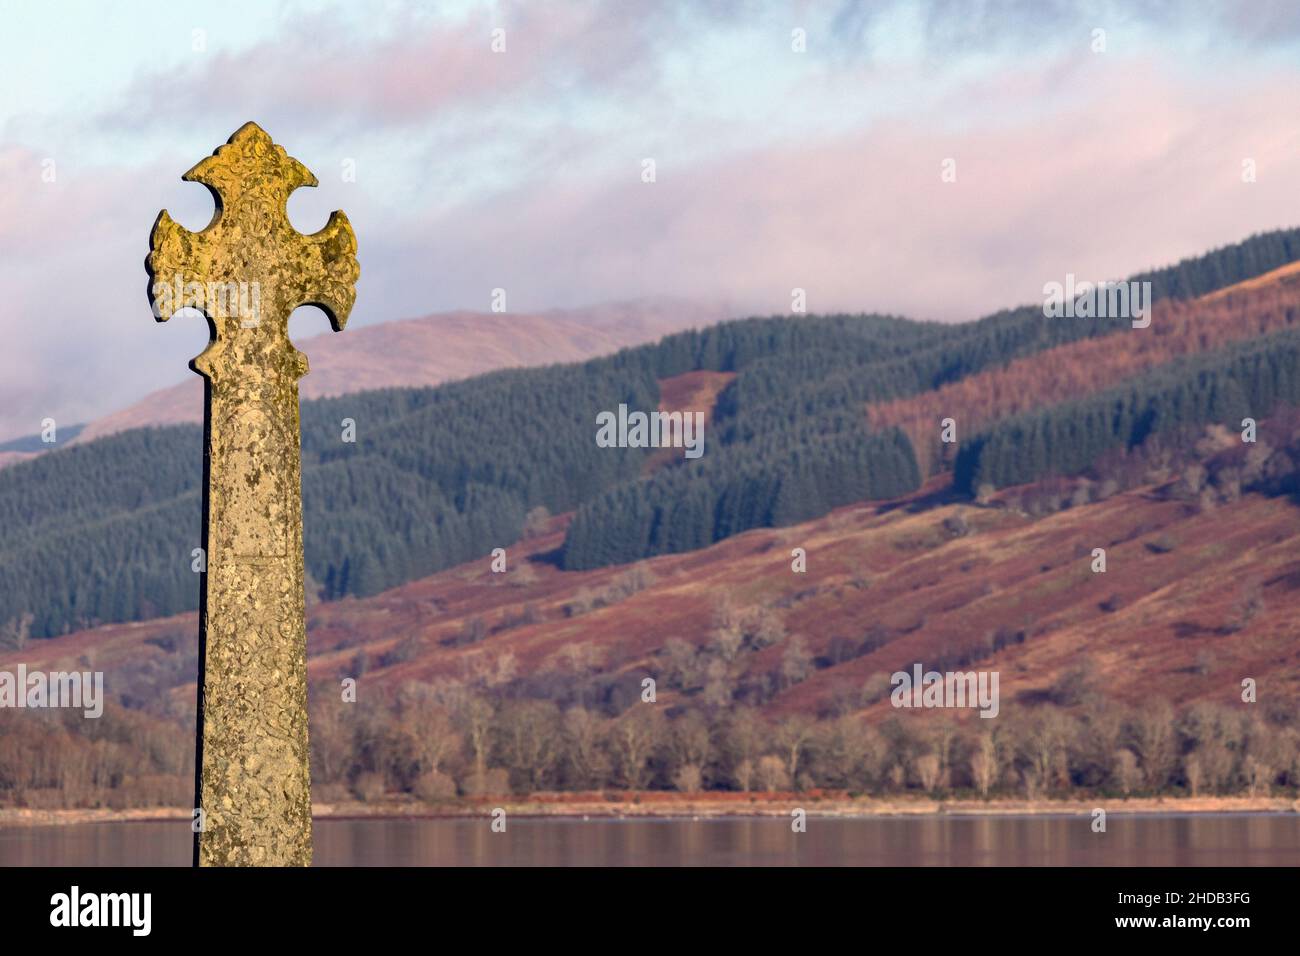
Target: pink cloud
[[314, 74], [1141, 172]]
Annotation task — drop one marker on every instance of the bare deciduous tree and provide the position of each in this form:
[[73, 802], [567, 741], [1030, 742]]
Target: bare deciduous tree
[[796, 662], [633, 739], [1125, 770], [792, 735], [772, 774], [927, 771], [984, 763]]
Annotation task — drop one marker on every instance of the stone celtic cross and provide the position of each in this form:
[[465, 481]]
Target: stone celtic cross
[[247, 271]]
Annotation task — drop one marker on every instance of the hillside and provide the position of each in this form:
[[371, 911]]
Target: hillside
[[1260, 307], [877, 574], [1193, 600], [1288, 274], [438, 348], [104, 530]]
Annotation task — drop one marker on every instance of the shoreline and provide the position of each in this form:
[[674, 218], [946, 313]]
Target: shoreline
[[674, 806]]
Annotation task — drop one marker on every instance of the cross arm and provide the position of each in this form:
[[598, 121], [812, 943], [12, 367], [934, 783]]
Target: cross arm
[[176, 256], [331, 270]]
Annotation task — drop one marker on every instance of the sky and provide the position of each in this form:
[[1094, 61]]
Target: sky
[[795, 145]]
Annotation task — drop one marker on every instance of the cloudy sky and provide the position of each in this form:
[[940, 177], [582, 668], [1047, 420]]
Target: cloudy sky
[[775, 168]]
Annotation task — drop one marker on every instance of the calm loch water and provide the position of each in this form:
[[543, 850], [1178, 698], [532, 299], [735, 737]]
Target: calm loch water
[[1191, 840]]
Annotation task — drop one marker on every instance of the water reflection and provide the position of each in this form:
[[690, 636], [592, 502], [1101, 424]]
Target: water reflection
[[1194, 840]]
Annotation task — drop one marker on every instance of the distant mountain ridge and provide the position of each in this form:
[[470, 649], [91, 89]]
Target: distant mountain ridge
[[438, 348]]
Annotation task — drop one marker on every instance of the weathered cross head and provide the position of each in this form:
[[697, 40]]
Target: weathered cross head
[[249, 268]]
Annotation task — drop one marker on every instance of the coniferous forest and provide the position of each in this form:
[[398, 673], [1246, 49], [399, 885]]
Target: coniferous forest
[[1246, 380]]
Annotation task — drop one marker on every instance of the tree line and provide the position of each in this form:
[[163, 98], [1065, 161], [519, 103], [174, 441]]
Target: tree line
[[1245, 380], [439, 742], [1082, 368], [736, 488]]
